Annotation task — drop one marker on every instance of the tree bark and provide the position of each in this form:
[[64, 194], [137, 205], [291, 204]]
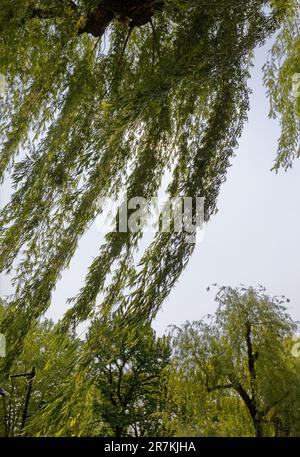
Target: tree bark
[[136, 12], [257, 422]]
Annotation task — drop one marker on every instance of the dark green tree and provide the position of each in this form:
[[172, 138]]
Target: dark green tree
[[101, 94], [129, 374], [117, 386]]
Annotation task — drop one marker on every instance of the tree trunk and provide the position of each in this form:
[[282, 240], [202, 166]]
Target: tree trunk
[[135, 12], [258, 427]]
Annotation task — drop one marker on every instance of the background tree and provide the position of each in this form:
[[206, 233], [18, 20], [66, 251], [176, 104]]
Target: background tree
[[167, 90], [52, 367], [193, 411], [241, 362], [129, 372], [116, 388], [285, 416], [282, 78]]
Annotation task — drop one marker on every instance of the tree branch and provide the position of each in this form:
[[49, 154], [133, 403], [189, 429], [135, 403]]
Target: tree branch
[[97, 22], [251, 359], [244, 395], [99, 18]]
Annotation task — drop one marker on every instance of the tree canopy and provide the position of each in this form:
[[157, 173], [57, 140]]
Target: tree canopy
[[239, 366], [234, 373], [129, 378], [105, 94], [116, 387]]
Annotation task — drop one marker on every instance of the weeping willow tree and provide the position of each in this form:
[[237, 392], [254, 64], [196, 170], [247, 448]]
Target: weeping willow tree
[[282, 77], [102, 94]]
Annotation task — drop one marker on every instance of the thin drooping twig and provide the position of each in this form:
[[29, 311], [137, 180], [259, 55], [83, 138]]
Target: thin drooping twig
[[153, 43], [155, 40], [119, 61]]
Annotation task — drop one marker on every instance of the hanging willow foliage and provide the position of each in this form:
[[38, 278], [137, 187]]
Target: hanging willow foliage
[[105, 93], [282, 78]]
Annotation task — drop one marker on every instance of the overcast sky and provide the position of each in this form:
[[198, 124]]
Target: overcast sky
[[254, 238]]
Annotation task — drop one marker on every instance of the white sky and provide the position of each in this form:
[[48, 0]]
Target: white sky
[[254, 238]]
